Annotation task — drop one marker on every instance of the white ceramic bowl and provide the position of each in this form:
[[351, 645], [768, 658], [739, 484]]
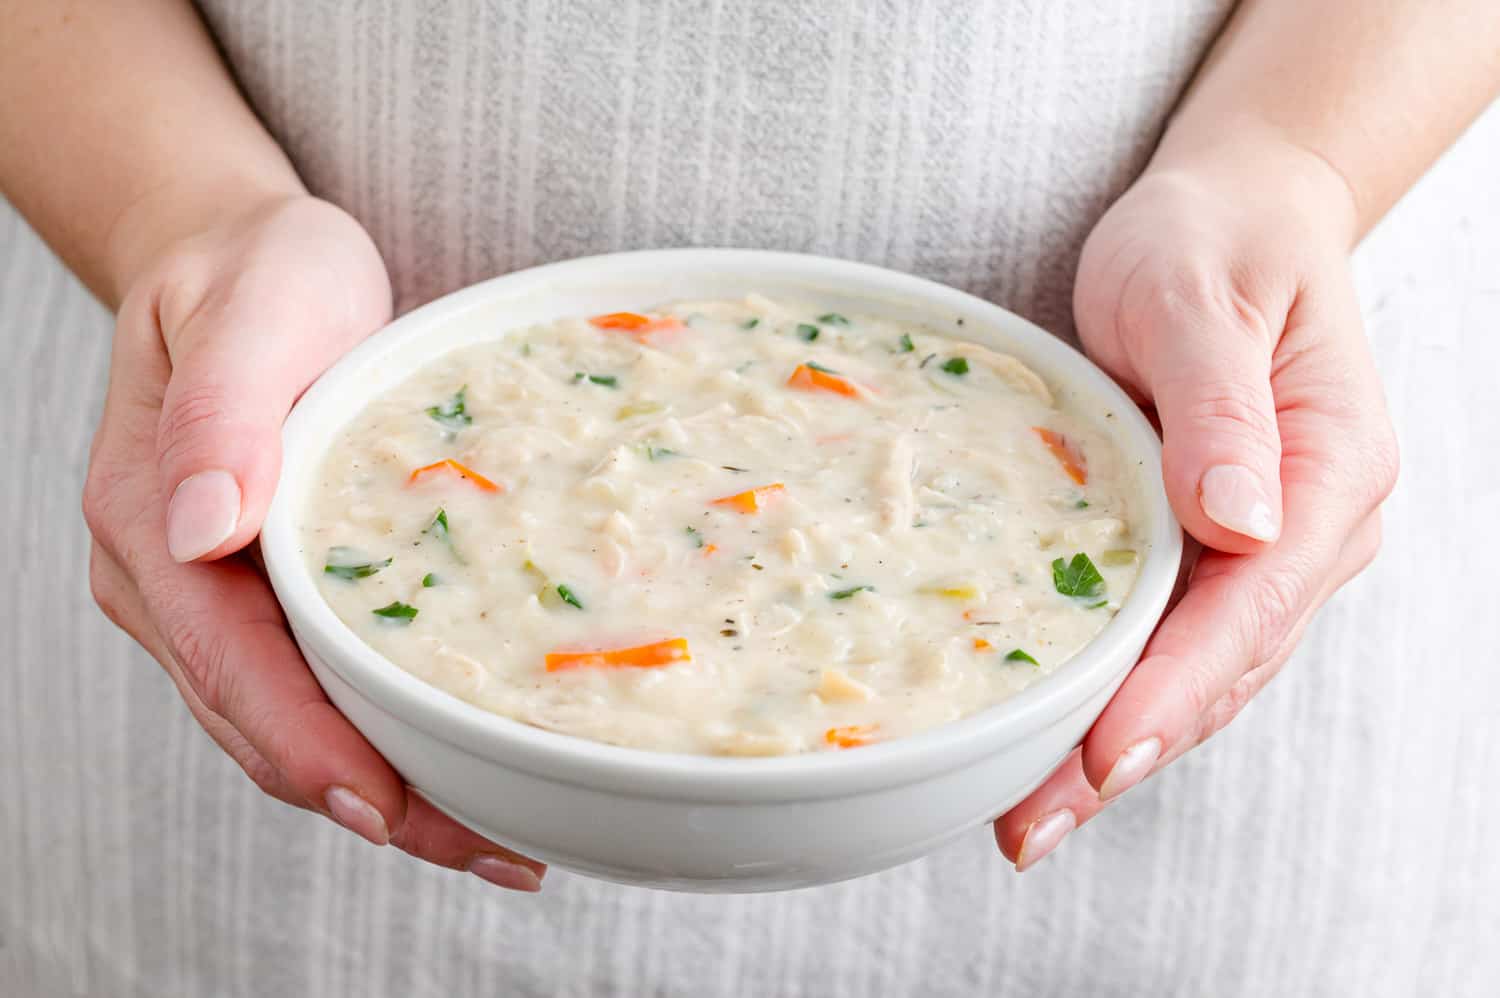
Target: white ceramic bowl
[[691, 822]]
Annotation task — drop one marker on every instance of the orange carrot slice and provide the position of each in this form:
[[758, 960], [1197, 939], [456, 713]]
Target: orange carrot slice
[[637, 325], [850, 736], [980, 644], [812, 379], [448, 464], [1067, 455], [709, 549], [749, 501], [649, 656]]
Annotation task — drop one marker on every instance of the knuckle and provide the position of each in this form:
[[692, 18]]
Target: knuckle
[[1383, 463], [99, 505], [203, 654], [1236, 409], [191, 411], [104, 588], [1277, 600]]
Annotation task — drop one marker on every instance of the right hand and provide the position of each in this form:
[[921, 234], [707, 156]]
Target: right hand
[[213, 344]]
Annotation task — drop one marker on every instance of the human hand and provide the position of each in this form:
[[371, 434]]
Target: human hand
[[213, 344], [1219, 292]]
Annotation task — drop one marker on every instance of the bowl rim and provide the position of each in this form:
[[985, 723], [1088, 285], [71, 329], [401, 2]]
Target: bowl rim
[[583, 762]]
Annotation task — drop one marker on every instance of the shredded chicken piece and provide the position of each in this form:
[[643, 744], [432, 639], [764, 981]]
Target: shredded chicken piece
[[894, 485], [1017, 374], [838, 686]]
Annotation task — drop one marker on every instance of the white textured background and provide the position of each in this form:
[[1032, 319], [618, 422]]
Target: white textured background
[[1339, 839]]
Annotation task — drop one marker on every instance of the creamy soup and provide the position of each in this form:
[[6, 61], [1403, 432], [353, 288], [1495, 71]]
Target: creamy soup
[[730, 527]]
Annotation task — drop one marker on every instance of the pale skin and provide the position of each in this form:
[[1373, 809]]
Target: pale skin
[[1217, 289]]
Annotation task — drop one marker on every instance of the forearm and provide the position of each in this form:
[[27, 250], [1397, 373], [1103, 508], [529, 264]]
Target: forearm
[[122, 130], [1368, 91]]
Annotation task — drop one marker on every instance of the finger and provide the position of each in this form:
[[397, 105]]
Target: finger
[[425, 833], [121, 602], [1212, 655], [431, 835], [1208, 364], [1067, 800], [1034, 828], [242, 350]]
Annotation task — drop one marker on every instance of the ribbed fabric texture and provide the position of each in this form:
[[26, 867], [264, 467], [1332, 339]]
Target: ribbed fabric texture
[[1337, 840]]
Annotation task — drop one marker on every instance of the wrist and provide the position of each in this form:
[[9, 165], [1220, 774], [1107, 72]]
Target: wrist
[[162, 217], [1244, 158]]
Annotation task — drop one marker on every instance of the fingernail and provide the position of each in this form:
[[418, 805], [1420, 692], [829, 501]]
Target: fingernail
[[357, 814], [1042, 836], [1130, 768], [503, 873], [1233, 497], [203, 512]]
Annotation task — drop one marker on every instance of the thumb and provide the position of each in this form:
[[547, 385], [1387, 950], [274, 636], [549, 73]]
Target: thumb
[[1221, 447], [218, 445]]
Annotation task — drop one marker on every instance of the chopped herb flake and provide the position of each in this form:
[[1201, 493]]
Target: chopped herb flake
[[654, 453], [693, 533], [807, 332], [1020, 656], [1081, 504], [904, 344], [846, 593], [1078, 578], [438, 528], [568, 597], [926, 360], [397, 611], [429, 580], [819, 367], [833, 319], [452, 413], [730, 467], [956, 366], [347, 563], [607, 380], [750, 323]]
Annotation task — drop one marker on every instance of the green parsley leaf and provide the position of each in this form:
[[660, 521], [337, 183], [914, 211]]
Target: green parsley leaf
[[956, 366], [905, 345], [693, 533], [568, 597], [846, 593], [607, 380], [452, 413], [1078, 578], [750, 323], [1020, 656], [1081, 504], [347, 563], [429, 580], [438, 528], [398, 611], [807, 332], [833, 319]]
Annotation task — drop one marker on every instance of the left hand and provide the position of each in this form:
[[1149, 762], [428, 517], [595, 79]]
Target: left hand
[[1221, 294]]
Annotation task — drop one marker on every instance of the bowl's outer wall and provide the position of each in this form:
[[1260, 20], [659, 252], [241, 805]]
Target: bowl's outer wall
[[704, 845]]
